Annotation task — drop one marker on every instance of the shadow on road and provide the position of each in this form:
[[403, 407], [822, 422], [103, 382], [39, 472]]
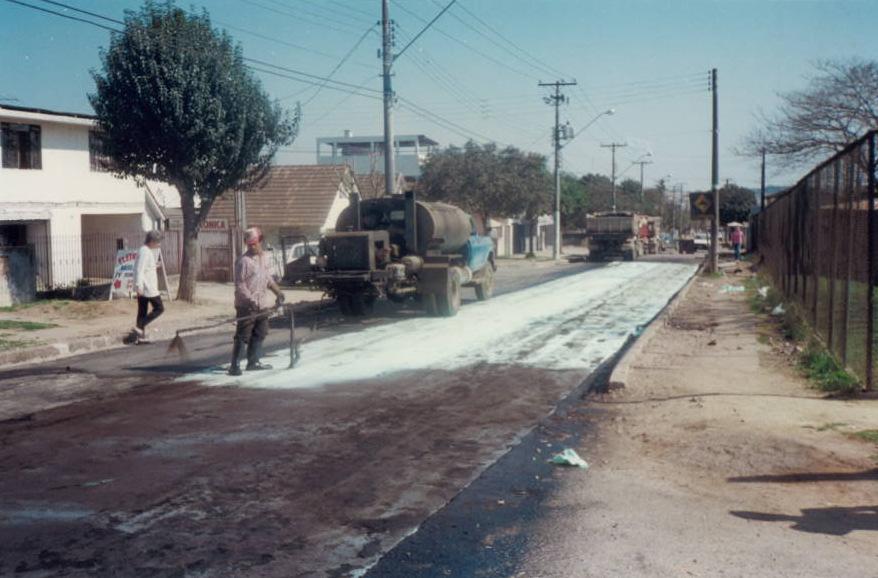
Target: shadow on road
[[832, 521], [866, 475]]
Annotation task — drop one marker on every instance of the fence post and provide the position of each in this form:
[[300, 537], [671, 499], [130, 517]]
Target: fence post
[[849, 184], [833, 263], [873, 269]]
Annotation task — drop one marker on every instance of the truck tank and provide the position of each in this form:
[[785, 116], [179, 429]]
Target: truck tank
[[441, 227]]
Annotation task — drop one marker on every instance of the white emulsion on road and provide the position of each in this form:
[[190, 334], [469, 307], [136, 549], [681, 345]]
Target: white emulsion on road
[[570, 323]]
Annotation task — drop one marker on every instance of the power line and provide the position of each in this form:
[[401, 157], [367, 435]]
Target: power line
[[62, 15], [307, 74], [424, 29], [81, 11], [299, 18], [282, 42], [527, 59], [465, 44], [341, 63], [355, 91]]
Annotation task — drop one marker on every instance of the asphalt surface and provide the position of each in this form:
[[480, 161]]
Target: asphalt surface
[[116, 468]]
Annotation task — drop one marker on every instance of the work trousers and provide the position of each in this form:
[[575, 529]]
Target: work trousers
[[251, 330], [143, 303]]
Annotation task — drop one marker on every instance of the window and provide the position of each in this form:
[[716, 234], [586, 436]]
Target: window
[[97, 153], [21, 146]]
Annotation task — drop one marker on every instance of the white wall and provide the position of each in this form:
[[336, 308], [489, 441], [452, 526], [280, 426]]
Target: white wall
[[338, 205], [65, 189]]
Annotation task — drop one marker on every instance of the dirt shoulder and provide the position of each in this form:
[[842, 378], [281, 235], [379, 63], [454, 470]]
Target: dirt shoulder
[[717, 458], [50, 329]]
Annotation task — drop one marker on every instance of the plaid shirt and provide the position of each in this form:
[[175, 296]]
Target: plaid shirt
[[252, 277]]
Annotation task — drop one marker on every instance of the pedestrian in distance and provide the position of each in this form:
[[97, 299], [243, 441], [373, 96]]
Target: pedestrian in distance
[[253, 304], [146, 284], [737, 239]]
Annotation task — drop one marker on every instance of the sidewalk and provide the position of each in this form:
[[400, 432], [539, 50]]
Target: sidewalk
[[715, 459], [84, 326]]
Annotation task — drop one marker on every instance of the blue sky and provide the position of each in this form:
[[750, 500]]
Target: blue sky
[[647, 59]]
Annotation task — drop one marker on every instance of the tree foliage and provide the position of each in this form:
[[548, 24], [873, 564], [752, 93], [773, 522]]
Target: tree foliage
[[593, 193], [735, 203], [178, 105], [839, 104], [488, 181]]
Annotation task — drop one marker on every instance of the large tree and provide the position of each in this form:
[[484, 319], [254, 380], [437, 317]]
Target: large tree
[[838, 105], [735, 203], [488, 181], [177, 104]]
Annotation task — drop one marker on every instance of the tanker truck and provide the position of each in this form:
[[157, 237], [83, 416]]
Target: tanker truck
[[400, 248]]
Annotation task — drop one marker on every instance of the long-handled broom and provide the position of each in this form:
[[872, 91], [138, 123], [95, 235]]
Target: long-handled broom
[[178, 345]]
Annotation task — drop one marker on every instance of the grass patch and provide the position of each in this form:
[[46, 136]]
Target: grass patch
[[831, 426], [826, 372], [869, 435], [7, 344], [24, 325]]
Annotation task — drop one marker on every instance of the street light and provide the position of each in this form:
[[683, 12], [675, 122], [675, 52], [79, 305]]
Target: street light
[[558, 146], [608, 112]]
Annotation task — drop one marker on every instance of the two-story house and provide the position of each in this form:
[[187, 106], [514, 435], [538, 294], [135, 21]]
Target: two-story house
[[58, 195], [365, 154]]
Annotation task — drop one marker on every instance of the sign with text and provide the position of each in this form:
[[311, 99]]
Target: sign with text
[[175, 223], [123, 273], [701, 205]]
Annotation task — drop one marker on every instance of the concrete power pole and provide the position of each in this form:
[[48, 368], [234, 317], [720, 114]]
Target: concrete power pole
[[387, 58], [762, 184], [642, 163], [614, 146], [556, 100], [714, 181]]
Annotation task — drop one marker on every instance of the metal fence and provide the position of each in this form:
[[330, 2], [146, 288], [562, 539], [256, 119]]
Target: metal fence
[[819, 241], [89, 258]]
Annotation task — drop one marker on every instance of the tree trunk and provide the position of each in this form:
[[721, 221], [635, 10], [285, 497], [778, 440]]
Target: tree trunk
[[191, 250]]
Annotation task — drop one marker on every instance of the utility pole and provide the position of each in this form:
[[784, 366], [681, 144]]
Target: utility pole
[[762, 185], [614, 146], [556, 100], [641, 163], [714, 180], [387, 58]]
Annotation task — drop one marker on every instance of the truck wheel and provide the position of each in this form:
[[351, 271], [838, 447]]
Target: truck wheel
[[448, 303], [344, 304], [485, 289], [429, 302]]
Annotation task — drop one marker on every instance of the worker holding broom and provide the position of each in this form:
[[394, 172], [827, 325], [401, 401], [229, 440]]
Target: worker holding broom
[[253, 304]]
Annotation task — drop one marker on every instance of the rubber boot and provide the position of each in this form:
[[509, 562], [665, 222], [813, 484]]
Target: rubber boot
[[237, 350], [254, 352]]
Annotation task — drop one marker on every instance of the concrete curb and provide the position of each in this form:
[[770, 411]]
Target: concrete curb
[[81, 345], [620, 376], [59, 350]]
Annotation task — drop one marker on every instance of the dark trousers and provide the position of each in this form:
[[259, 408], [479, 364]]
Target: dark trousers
[[251, 331], [144, 319]]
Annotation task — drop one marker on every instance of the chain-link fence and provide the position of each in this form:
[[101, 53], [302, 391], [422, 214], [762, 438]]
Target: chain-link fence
[[819, 242]]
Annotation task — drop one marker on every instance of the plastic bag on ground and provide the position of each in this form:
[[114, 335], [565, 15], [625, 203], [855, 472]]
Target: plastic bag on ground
[[569, 457], [731, 289], [779, 310], [763, 292]]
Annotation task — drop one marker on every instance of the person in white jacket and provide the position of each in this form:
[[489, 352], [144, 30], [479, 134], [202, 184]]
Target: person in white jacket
[[146, 283]]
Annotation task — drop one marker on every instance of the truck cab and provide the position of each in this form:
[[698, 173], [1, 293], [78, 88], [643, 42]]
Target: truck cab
[[400, 248]]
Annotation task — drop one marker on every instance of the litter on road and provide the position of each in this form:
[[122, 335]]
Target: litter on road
[[778, 310], [731, 289], [763, 292], [569, 457]]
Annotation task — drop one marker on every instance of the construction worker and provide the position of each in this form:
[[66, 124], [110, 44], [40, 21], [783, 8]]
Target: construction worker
[[253, 303]]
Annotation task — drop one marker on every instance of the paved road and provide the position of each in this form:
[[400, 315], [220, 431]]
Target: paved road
[[315, 472]]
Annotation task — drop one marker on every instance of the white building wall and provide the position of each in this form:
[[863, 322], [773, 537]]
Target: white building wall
[[338, 205], [65, 189]]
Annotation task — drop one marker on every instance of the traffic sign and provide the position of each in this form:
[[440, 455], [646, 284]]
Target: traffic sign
[[701, 205]]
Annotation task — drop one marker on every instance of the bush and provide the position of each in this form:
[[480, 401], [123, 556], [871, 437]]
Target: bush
[[822, 367]]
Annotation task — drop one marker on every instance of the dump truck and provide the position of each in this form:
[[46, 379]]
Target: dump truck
[[613, 235], [400, 248]]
